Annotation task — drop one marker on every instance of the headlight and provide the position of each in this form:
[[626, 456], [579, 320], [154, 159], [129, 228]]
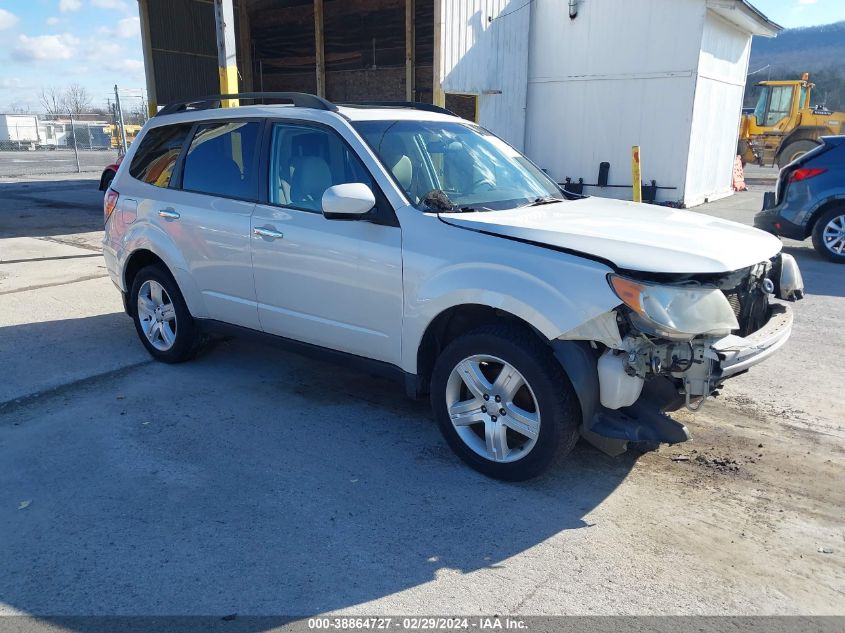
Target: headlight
[[677, 312]]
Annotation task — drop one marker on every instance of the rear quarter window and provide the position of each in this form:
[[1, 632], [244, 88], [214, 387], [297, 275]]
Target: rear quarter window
[[156, 157]]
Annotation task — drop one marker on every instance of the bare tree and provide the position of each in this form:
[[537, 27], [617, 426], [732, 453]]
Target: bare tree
[[76, 99], [19, 107], [52, 100], [137, 115]]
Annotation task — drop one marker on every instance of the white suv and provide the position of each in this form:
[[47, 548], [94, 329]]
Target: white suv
[[424, 246]]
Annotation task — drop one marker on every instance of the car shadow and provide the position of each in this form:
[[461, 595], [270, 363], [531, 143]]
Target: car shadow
[[821, 276], [254, 481]]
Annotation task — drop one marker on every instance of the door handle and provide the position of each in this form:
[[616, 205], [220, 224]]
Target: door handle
[[263, 231], [169, 214]]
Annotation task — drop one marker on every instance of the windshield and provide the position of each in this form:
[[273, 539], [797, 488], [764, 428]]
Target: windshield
[[762, 104], [451, 166]]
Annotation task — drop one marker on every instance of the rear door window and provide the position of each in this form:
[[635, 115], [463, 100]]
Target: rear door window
[[222, 160], [156, 157]]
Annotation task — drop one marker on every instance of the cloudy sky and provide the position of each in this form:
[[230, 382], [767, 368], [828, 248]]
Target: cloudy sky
[[97, 44]]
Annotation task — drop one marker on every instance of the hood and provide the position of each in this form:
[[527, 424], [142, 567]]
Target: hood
[[637, 237]]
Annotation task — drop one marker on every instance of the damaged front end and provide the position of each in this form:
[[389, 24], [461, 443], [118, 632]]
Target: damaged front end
[[671, 344]]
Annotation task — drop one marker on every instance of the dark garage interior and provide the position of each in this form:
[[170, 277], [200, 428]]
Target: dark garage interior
[[368, 48]]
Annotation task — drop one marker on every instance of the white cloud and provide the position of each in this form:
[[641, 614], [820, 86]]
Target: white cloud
[[109, 4], [134, 66], [131, 67], [69, 5], [128, 27], [11, 83], [45, 47], [807, 1], [7, 19], [53, 21], [103, 50]]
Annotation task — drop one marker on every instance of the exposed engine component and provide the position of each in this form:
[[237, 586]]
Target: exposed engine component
[[687, 362], [618, 386]]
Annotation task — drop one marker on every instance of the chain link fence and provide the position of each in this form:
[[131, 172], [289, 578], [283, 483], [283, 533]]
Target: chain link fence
[[38, 144]]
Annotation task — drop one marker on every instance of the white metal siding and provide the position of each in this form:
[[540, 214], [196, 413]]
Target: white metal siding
[[716, 116], [622, 73], [485, 50]]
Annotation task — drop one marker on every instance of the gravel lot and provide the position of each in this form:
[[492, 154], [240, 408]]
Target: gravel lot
[[253, 481]]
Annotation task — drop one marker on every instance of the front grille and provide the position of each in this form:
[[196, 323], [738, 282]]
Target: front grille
[[750, 305], [733, 299]]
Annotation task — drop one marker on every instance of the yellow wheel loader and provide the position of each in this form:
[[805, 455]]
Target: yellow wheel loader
[[784, 125]]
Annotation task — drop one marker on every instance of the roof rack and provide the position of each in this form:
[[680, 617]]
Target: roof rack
[[414, 105], [298, 99]]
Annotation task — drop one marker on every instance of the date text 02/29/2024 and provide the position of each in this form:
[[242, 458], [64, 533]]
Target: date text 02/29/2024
[[417, 623]]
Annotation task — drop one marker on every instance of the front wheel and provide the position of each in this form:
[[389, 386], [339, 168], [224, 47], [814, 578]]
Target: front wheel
[[162, 320], [829, 235], [794, 151], [503, 402]]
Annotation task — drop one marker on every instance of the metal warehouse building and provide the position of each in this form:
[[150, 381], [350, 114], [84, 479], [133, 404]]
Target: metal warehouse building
[[572, 83]]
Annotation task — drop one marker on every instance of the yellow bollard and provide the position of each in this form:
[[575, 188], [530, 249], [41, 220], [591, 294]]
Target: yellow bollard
[[636, 173]]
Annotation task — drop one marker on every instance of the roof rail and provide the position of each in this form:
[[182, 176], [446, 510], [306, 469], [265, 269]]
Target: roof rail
[[298, 99], [414, 105]]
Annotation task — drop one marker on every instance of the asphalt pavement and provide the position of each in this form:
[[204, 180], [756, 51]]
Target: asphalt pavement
[[253, 481]]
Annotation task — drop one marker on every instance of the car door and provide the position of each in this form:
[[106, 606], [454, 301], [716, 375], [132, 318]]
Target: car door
[[333, 283], [207, 214]]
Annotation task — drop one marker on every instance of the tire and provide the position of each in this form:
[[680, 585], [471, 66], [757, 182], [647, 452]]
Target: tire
[[793, 151], [831, 222], [174, 339], [105, 181], [546, 399]]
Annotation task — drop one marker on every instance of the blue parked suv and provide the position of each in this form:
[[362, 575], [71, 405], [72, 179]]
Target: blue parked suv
[[810, 200]]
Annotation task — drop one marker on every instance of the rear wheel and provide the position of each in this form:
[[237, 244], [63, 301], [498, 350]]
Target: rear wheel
[[794, 151], [829, 235], [503, 402], [161, 317]]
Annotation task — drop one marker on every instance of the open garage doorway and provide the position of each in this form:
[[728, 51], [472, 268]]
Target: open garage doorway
[[364, 56]]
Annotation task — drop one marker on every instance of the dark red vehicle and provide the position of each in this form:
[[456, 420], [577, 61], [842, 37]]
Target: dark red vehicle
[[108, 174]]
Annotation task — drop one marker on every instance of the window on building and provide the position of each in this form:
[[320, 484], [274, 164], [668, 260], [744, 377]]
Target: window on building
[[465, 106], [305, 161], [156, 156], [222, 160]]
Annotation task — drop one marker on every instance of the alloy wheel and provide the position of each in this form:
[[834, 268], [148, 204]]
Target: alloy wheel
[[157, 315], [833, 236], [493, 408]]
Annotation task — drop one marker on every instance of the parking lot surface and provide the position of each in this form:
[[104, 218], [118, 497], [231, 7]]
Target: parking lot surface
[[255, 481], [60, 161]]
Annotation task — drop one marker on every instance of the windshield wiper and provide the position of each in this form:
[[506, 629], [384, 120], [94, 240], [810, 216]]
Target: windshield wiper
[[544, 200], [437, 200]]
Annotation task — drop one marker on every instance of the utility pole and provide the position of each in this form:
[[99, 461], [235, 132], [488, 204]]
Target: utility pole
[[120, 120], [75, 148]]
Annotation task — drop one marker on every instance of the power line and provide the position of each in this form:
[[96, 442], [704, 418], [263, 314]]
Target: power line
[[504, 15]]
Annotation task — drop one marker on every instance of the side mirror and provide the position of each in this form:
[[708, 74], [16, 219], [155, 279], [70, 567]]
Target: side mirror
[[347, 202]]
